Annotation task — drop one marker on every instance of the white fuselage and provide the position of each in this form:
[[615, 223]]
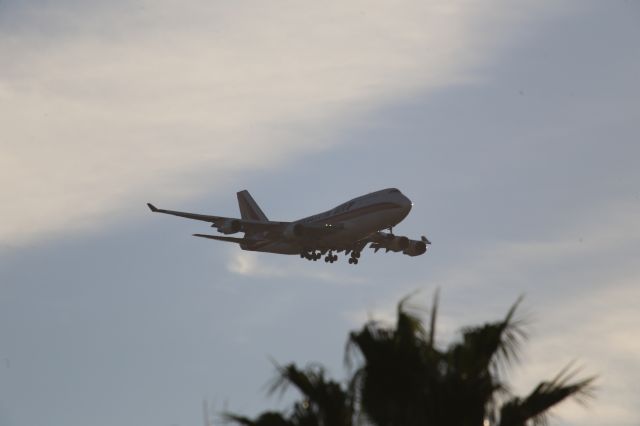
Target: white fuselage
[[356, 219]]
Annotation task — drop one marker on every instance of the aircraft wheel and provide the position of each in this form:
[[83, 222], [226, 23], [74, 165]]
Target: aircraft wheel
[[355, 261], [350, 260]]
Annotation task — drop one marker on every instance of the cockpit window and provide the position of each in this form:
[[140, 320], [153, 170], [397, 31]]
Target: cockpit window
[[391, 191]]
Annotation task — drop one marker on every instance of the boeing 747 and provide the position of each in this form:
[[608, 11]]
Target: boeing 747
[[346, 229]]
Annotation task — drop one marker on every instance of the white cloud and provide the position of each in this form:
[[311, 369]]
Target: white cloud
[[599, 330], [103, 109], [248, 264]]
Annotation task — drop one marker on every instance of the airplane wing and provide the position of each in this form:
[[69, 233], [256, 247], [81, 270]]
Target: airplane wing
[[203, 217], [226, 224], [231, 225]]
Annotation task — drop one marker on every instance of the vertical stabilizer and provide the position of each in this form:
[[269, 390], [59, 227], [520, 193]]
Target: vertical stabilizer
[[249, 209]]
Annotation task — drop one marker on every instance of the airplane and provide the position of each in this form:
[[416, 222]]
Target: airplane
[[346, 228]]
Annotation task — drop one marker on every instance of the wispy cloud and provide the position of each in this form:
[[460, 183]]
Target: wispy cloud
[[249, 264], [599, 330], [103, 109], [604, 236]]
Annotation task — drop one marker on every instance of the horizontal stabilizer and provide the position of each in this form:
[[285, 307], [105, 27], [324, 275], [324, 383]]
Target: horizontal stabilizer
[[152, 207], [219, 238]]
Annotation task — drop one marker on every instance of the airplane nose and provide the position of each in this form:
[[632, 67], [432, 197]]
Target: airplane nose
[[406, 203]]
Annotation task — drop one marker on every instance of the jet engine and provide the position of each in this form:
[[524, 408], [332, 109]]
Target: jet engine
[[397, 243], [229, 226], [416, 248], [293, 231], [390, 242]]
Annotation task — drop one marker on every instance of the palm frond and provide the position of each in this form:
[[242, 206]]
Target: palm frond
[[269, 418], [305, 381], [324, 400], [432, 320], [536, 405], [409, 326], [485, 349], [371, 343], [512, 336]]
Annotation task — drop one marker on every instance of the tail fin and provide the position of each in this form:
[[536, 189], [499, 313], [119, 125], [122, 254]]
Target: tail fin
[[249, 209]]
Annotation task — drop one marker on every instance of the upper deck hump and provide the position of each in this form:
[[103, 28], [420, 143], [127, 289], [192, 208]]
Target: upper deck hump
[[354, 202]]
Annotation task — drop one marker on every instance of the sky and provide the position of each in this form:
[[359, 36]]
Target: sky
[[512, 126]]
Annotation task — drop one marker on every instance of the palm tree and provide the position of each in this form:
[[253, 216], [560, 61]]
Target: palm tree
[[516, 411], [270, 418], [404, 379], [324, 403]]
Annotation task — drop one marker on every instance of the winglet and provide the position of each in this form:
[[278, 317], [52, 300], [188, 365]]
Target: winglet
[[152, 207]]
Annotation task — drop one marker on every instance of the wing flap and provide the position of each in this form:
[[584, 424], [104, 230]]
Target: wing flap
[[219, 238]]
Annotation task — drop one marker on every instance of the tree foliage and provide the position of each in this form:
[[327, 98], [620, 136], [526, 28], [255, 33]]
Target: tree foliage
[[400, 377]]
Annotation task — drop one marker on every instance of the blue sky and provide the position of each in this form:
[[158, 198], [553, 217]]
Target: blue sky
[[514, 130]]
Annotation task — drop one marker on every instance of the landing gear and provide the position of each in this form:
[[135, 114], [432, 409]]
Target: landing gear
[[313, 255], [330, 258]]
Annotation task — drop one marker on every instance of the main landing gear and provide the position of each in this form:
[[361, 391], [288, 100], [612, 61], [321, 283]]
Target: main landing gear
[[314, 255], [330, 258]]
